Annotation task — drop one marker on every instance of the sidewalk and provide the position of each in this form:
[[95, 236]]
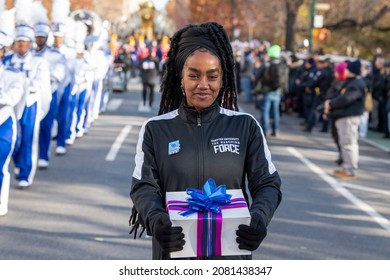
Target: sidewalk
[[373, 138], [376, 139]]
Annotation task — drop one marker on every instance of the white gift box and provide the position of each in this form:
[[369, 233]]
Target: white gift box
[[231, 219]]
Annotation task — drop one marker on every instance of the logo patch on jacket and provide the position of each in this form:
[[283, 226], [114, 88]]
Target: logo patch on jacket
[[173, 147], [226, 145]]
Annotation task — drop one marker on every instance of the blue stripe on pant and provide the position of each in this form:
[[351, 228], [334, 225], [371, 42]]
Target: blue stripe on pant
[[46, 127], [82, 110], [26, 153], [7, 142], [63, 116], [70, 132]]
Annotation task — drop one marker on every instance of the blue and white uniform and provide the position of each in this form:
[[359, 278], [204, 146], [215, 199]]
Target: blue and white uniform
[[11, 99], [81, 92], [58, 74], [63, 114], [38, 97]]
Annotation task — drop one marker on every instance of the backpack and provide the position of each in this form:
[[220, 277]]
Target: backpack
[[272, 83]]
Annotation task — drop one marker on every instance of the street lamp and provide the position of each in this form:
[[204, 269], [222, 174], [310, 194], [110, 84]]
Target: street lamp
[[316, 21], [312, 14]]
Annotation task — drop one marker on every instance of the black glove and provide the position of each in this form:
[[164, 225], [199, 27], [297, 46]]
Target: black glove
[[170, 238], [250, 237]]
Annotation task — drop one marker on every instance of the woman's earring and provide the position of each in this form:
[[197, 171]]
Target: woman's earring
[[182, 90]]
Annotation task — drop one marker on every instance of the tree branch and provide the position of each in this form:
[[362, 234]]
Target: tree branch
[[348, 23], [382, 29]]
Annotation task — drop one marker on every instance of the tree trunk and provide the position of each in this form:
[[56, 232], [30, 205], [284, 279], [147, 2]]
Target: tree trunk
[[291, 17]]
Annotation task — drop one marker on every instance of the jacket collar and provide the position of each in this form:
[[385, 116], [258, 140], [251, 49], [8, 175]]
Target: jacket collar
[[190, 115]]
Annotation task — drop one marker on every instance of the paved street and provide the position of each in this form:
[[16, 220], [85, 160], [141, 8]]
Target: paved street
[[79, 207]]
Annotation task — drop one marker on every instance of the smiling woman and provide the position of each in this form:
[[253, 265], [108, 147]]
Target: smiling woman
[[200, 137], [202, 79], [210, 41]]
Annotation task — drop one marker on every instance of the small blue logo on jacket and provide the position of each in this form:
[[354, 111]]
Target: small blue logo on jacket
[[173, 147]]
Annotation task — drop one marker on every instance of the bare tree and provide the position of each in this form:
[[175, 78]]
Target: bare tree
[[292, 7], [371, 19]]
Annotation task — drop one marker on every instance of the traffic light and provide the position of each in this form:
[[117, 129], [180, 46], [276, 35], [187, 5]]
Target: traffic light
[[324, 35]]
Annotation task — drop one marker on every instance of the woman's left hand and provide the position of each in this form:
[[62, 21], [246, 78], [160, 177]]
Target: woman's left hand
[[250, 237]]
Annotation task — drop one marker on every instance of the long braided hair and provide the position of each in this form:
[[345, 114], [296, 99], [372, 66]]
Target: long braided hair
[[171, 82]]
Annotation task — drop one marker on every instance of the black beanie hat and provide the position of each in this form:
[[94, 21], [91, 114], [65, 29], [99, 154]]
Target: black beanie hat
[[354, 67]]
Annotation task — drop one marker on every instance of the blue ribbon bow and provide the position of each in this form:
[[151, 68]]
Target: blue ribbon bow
[[210, 199]]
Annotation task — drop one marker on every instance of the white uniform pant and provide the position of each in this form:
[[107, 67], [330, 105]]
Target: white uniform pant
[[8, 131], [26, 150]]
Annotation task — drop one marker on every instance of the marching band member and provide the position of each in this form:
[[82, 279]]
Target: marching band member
[[62, 27], [11, 95], [69, 53], [81, 91], [58, 73], [38, 97]]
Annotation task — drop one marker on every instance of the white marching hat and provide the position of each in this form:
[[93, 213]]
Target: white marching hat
[[42, 29], [24, 32], [58, 29]]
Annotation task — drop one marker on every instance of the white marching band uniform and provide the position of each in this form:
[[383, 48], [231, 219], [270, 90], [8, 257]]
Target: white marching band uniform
[[81, 93], [64, 110], [102, 67], [32, 87], [58, 74], [38, 98], [11, 97]]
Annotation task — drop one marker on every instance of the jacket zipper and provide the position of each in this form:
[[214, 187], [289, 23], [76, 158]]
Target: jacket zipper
[[200, 154]]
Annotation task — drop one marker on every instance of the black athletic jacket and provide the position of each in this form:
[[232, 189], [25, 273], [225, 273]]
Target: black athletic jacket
[[184, 148]]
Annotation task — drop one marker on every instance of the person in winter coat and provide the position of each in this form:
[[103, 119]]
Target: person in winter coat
[[346, 110], [149, 68], [200, 134], [339, 80], [272, 87]]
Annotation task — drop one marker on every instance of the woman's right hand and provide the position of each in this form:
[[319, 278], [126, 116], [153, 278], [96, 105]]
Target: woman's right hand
[[170, 238]]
